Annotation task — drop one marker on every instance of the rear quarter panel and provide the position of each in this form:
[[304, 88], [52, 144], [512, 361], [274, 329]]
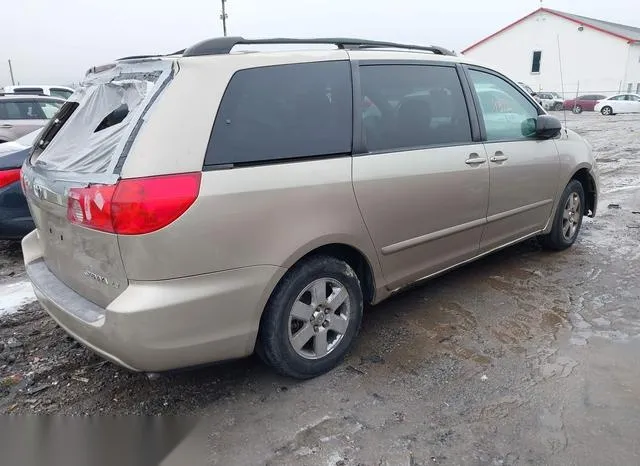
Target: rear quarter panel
[[263, 215]]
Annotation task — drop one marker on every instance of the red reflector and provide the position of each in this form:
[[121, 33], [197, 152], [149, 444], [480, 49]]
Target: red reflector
[[133, 206], [9, 176]]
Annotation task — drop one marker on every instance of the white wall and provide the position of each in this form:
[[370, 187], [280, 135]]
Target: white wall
[[632, 71], [591, 59]]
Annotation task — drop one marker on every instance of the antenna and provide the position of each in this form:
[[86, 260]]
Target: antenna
[[564, 110]]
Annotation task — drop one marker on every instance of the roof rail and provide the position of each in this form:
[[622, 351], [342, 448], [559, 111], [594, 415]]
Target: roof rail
[[223, 45]]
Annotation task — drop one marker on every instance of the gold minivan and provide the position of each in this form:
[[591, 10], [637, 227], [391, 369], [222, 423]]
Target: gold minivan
[[207, 204]]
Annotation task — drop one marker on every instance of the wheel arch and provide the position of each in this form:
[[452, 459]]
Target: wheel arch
[[349, 253], [582, 174], [589, 186]]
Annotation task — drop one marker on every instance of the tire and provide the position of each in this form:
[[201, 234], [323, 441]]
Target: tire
[[606, 111], [299, 319], [568, 218], [577, 109], [558, 106]]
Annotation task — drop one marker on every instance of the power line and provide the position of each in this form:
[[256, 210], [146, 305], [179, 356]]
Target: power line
[[13, 82], [224, 17]]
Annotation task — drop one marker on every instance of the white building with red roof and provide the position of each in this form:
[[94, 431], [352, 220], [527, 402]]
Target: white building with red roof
[[547, 47]]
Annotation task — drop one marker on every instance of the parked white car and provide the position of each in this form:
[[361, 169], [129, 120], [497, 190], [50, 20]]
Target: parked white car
[[62, 92], [621, 103], [551, 100]]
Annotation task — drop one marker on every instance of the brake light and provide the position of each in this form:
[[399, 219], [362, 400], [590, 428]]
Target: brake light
[[133, 206], [9, 176]]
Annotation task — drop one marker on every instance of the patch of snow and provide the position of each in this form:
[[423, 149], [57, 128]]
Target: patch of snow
[[14, 295]]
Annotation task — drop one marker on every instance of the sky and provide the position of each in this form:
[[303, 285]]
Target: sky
[[56, 41]]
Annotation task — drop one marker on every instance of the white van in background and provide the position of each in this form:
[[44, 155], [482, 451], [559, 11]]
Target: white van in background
[[53, 91]]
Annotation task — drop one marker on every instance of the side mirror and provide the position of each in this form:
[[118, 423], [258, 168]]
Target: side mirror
[[543, 127], [533, 94]]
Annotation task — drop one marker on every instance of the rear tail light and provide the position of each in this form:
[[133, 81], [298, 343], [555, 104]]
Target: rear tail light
[[133, 206], [9, 176]]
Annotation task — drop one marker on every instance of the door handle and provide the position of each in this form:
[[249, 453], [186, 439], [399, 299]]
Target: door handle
[[6, 126], [475, 159], [499, 157]]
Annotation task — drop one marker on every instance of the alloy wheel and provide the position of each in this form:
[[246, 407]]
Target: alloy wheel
[[571, 216], [319, 318]]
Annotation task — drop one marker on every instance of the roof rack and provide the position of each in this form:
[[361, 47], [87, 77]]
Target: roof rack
[[223, 45]]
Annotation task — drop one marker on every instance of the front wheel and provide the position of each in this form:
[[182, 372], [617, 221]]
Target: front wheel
[[558, 106], [577, 109], [568, 218], [606, 111], [312, 318]]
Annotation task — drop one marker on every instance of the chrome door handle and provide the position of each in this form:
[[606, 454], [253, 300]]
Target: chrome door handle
[[499, 157], [6, 126], [475, 159]]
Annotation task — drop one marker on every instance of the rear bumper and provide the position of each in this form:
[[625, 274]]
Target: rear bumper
[[162, 325]]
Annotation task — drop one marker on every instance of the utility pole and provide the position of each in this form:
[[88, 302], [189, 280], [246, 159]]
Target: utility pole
[[13, 81], [223, 17]]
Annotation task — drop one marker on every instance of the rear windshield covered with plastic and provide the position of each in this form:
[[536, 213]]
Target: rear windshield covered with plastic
[[94, 129]]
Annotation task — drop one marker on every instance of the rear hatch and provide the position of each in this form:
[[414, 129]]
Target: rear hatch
[[73, 169]]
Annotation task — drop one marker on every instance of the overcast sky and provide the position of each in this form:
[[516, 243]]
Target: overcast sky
[[55, 41]]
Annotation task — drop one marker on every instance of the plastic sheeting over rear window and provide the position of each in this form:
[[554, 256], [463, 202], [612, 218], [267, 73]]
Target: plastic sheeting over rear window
[[111, 107]]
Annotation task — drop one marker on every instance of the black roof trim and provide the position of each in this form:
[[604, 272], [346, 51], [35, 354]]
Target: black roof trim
[[224, 45]]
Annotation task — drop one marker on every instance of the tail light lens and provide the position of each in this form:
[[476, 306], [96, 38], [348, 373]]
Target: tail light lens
[[9, 176], [133, 206]]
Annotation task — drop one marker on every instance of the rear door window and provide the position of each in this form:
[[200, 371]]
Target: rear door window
[[283, 112], [49, 109], [21, 110], [412, 106]]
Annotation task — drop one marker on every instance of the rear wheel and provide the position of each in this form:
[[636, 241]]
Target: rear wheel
[[577, 109], [558, 106], [312, 318], [606, 111], [568, 218]]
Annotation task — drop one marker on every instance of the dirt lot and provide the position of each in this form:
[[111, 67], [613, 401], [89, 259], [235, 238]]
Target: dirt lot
[[525, 357]]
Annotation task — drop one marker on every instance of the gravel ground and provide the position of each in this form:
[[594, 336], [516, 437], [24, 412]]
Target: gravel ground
[[524, 357]]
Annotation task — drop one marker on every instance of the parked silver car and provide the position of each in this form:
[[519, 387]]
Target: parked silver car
[[551, 100], [22, 114]]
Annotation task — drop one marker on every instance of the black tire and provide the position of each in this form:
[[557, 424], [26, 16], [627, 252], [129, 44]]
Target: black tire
[[558, 106], [274, 345], [606, 111], [557, 239], [577, 109]]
